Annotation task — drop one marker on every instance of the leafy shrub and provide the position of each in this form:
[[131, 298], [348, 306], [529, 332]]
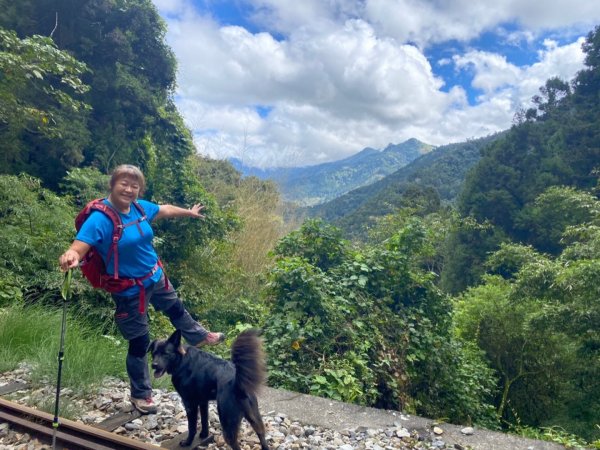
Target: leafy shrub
[[84, 184], [372, 328], [36, 226], [11, 291]]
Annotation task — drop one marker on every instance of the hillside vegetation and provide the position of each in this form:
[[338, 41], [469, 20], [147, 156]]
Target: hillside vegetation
[[482, 313]]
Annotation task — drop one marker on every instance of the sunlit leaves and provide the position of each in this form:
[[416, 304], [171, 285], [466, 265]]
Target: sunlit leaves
[[34, 67]]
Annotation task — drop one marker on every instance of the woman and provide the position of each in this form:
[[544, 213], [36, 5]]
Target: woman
[[138, 260]]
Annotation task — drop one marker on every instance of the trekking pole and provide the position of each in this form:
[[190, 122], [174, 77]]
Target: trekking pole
[[65, 293]]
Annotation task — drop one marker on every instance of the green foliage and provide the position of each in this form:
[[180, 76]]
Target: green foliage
[[11, 289], [84, 184], [33, 225], [467, 247], [538, 326], [320, 244], [371, 328], [551, 213], [509, 259], [31, 65], [131, 78], [554, 434], [36, 226], [222, 279], [39, 106], [516, 349]]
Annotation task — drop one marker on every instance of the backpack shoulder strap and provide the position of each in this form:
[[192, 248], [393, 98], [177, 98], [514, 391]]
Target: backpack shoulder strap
[[140, 210], [99, 205], [112, 214]]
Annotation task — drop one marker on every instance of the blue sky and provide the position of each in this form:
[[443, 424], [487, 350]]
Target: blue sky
[[302, 82]]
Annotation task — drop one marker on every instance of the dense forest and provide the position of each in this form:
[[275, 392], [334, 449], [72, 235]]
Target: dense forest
[[482, 309]]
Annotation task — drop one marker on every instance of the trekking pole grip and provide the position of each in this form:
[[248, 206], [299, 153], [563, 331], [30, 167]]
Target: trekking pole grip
[[65, 290]]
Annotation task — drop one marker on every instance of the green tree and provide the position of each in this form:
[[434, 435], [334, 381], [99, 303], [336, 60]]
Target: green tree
[[502, 327], [545, 220], [42, 116], [131, 74], [536, 320]]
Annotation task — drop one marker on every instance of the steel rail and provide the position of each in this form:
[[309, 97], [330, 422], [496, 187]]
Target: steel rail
[[69, 434]]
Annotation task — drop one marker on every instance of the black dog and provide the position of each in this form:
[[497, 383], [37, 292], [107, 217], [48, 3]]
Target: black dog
[[200, 376]]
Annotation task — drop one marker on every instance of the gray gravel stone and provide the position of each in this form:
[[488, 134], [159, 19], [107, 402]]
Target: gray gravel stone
[[283, 432]]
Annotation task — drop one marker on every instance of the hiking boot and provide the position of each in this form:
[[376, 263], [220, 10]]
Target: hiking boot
[[212, 339], [144, 405]]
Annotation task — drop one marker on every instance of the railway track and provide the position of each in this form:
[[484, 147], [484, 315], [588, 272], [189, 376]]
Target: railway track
[[71, 435]]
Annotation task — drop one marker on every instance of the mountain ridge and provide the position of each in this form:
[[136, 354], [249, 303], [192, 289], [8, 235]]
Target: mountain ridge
[[311, 185], [443, 170]]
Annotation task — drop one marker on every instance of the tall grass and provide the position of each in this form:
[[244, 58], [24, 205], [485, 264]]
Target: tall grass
[[223, 282], [31, 334], [262, 213]]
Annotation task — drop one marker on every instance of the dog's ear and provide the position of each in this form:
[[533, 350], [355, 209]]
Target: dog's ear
[[152, 346], [175, 338]]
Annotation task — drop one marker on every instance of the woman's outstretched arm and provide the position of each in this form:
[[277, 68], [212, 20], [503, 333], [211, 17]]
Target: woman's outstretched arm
[[167, 211]]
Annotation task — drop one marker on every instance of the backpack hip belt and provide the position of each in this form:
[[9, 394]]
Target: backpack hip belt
[[140, 283]]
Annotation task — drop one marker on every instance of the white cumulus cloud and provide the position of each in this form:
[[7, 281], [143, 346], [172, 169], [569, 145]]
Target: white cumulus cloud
[[323, 79]]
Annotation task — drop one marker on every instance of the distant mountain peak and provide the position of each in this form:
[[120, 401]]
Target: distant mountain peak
[[409, 144], [311, 185]]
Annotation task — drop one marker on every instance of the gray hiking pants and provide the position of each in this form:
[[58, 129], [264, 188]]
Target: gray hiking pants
[[134, 327]]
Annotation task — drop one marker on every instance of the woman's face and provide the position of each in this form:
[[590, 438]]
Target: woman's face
[[125, 190]]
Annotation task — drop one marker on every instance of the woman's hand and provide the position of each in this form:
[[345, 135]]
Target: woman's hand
[[195, 211], [70, 259]]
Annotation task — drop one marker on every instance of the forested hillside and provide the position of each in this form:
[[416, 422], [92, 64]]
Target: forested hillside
[[425, 184], [485, 312], [319, 183], [527, 261], [556, 142]]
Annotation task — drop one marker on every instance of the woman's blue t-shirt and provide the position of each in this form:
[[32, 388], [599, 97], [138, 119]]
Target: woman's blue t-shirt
[[137, 256]]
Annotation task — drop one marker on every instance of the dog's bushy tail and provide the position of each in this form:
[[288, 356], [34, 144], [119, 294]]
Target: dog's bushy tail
[[249, 361]]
